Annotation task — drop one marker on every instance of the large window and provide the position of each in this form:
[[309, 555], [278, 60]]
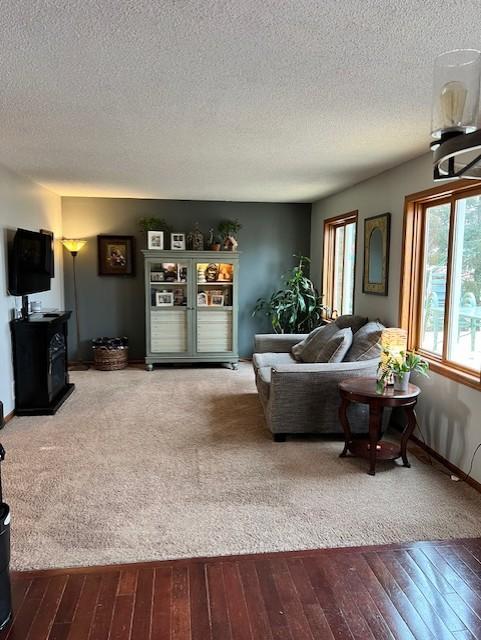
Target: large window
[[340, 262], [441, 290]]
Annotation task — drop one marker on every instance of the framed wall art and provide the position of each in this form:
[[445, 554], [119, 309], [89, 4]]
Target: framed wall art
[[155, 239], [116, 255], [376, 254]]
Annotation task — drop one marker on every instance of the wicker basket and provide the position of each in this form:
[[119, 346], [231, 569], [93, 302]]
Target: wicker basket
[[110, 359]]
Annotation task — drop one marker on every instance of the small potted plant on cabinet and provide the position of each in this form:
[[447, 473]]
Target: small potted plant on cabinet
[[228, 230], [400, 368], [154, 224]]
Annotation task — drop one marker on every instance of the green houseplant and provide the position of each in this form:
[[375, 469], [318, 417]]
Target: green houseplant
[[296, 307], [401, 368], [154, 224]]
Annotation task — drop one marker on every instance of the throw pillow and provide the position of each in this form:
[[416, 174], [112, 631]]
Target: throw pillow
[[321, 334], [366, 343], [333, 350], [351, 321]]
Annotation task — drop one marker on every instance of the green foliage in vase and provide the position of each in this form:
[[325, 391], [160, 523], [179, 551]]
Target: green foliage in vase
[[229, 228], [154, 224], [409, 361], [296, 307]]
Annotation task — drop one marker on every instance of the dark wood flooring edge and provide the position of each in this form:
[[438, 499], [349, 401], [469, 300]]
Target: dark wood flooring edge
[[268, 555]]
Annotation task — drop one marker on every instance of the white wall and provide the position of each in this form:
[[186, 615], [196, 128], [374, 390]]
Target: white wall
[[24, 204], [448, 411]]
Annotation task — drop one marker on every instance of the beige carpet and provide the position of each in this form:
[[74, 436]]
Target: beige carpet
[[177, 462]]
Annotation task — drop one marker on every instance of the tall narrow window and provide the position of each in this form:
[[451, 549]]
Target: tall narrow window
[[441, 279], [340, 262]]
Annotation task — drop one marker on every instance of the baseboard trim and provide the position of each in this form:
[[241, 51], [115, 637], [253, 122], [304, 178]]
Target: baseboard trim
[[9, 416], [449, 465]]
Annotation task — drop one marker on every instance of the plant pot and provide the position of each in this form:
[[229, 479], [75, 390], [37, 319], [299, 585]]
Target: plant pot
[[215, 247], [401, 384]]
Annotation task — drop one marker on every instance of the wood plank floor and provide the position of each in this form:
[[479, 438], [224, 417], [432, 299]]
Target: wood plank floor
[[421, 590]]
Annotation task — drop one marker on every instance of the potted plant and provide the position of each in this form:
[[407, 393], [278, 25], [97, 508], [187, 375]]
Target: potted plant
[[228, 230], [400, 368], [154, 224], [215, 241], [296, 308]]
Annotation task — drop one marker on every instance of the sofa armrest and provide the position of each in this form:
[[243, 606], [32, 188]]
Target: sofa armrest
[[329, 369], [276, 342]]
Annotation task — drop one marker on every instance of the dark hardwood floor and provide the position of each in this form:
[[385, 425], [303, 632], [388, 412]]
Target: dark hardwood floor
[[419, 590]]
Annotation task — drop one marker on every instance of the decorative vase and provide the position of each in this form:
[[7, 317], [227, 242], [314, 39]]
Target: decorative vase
[[215, 246], [401, 384], [195, 239]]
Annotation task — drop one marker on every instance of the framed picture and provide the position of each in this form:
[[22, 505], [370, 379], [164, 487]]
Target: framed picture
[[116, 255], [217, 300], [164, 299], [155, 239], [177, 241], [157, 276], [202, 300], [376, 254]]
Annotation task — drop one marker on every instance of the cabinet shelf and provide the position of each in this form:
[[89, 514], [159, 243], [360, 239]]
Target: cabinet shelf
[[164, 283], [222, 283]]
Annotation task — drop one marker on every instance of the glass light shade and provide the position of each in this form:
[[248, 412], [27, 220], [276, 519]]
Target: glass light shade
[[73, 246], [456, 86]]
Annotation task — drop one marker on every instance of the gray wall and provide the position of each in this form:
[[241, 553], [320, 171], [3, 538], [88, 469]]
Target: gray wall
[[23, 204], [270, 235], [448, 411]]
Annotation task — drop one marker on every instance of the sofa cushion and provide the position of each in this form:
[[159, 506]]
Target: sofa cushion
[[366, 343], [260, 360], [351, 321], [334, 350], [321, 334]]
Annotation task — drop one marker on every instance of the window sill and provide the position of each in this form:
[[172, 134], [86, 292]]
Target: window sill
[[463, 377]]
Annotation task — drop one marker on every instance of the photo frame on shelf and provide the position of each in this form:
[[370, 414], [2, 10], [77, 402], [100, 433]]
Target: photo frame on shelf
[[377, 230], [164, 299], [116, 255], [155, 240], [177, 241], [202, 299], [157, 276], [217, 300]]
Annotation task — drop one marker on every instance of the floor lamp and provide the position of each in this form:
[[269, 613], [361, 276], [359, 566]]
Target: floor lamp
[[74, 246]]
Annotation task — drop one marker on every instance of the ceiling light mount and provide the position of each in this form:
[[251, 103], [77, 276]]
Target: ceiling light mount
[[455, 115]]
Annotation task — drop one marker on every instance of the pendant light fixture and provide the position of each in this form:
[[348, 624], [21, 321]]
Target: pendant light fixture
[[455, 115]]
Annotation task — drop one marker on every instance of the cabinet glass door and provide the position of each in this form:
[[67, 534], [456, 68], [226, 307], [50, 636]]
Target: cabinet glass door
[[169, 302], [214, 305]]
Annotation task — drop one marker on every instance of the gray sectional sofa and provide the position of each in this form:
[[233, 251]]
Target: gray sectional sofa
[[300, 397]]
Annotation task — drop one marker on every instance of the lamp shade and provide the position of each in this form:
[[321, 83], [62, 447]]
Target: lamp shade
[[456, 86], [394, 341], [73, 246]]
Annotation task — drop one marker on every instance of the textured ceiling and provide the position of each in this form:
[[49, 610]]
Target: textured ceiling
[[268, 100]]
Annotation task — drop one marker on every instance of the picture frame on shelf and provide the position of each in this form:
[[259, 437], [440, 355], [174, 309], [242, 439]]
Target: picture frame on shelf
[[164, 299], [157, 276], [177, 241], [116, 255], [155, 240], [217, 300], [202, 299]]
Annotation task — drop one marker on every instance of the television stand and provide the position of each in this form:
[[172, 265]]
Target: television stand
[[40, 363]]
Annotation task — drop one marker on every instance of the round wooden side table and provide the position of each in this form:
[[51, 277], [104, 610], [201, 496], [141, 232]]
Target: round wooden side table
[[370, 446]]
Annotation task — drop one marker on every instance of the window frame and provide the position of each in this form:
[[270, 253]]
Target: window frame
[[412, 276], [329, 256]]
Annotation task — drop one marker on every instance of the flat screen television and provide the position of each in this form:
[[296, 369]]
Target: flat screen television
[[30, 263]]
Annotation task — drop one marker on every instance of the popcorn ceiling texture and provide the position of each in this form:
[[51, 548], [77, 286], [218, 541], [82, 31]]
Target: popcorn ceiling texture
[[178, 463], [220, 99]]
